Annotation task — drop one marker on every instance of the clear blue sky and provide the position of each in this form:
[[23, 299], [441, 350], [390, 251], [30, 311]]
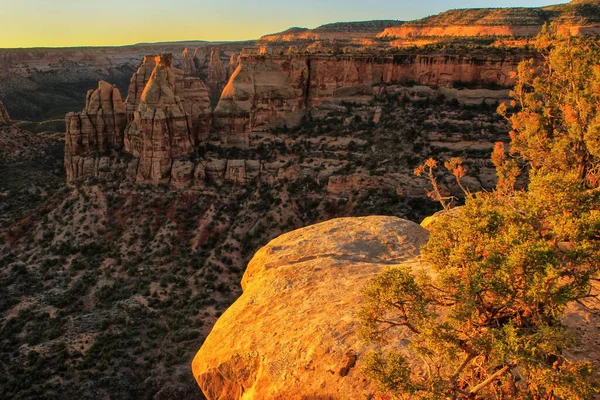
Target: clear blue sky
[[29, 23]]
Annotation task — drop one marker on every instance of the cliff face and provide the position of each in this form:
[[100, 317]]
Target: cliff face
[[161, 130], [335, 31], [95, 131], [217, 74], [169, 114], [577, 18], [269, 91]]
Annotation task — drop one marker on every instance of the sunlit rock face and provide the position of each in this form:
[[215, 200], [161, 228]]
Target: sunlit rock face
[[4, 117], [95, 131], [161, 130], [188, 64], [293, 332], [139, 80]]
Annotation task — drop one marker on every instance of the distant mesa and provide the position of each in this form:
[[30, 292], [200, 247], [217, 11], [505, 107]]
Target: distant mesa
[[580, 17], [333, 31]]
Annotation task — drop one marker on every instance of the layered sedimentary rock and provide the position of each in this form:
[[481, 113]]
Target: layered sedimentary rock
[[196, 103], [233, 64], [161, 130], [95, 131], [305, 286], [262, 92], [335, 31], [188, 64], [139, 80], [4, 117], [577, 18], [217, 74], [269, 91]]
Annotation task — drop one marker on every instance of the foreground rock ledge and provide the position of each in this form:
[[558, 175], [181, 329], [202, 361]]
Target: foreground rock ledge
[[293, 332]]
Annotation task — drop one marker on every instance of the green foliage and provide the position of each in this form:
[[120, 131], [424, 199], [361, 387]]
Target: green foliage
[[484, 318], [557, 126]]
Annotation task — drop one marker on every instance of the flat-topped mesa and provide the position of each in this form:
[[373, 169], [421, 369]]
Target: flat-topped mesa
[[217, 74], [95, 131], [4, 117], [161, 130], [195, 99]]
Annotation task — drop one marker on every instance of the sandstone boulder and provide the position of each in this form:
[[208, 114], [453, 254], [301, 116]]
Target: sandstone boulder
[[293, 333]]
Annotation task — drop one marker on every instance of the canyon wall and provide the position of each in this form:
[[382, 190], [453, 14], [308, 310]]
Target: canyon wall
[[168, 115]]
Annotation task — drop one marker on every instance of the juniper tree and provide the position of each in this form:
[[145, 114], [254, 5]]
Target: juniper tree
[[484, 318]]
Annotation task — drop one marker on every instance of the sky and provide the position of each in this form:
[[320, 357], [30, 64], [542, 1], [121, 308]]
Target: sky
[[62, 23]]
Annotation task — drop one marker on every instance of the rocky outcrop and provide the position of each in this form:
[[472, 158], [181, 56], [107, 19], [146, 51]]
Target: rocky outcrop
[[234, 62], [305, 286], [293, 333], [188, 64], [262, 93], [267, 91], [161, 130], [95, 131], [217, 74], [139, 80], [4, 117], [336, 31], [576, 18]]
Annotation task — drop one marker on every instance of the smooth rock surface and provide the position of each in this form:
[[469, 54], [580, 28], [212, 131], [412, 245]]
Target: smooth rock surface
[[293, 333]]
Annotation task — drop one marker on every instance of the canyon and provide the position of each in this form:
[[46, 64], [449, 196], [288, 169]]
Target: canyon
[[143, 179]]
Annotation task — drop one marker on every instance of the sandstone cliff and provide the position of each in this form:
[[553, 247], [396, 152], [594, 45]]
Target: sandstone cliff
[[268, 91], [576, 18], [334, 31], [188, 63], [161, 130], [95, 131], [217, 74], [139, 80], [293, 332]]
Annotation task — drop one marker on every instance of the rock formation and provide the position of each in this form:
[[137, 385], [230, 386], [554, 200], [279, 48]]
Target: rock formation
[[4, 117], [139, 80], [335, 31], [95, 131], [305, 286], [188, 64], [262, 92], [217, 74], [293, 332], [234, 61], [161, 130], [576, 18]]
